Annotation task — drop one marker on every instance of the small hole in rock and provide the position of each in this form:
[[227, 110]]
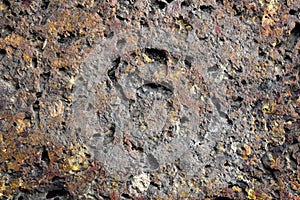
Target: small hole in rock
[[57, 179], [2, 53], [229, 121], [244, 82], [185, 4], [239, 99], [261, 52], [67, 37], [278, 77], [123, 19], [188, 62], [45, 156], [46, 74], [38, 95], [62, 69], [292, 12], [56, 193], [161, 5], [36, 106], [6, 2], [112, 72], [143, 23], [223, 198], [287, 58], [226, 164], [6, 31], [80, 6], [238, 11], [34, 63], [207, 9], [296, 30], [109, 35], [126, 196], [157, 55], [45, 4], [220, 2]]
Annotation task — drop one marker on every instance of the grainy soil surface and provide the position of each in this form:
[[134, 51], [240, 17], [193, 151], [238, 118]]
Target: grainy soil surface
[[154, 99]]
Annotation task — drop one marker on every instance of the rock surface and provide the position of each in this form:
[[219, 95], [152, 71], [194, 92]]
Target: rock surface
[[150, 99]]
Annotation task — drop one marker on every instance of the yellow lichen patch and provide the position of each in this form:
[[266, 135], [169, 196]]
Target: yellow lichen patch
[[52, 27], [22, 124], [114, 185], [247, 150], [236, 189], [16, 183], [3, 6], [183, 25], [77, 162], [9, 184], [70, 83], [222, 148], [75, 166], [241, 176], [184, 194], [14, 40], [59, 63], [2, 187], [194, 89], [269, 108], [250, 193], [27, 58], [69, 22], [147, 59], [273, 7], [269, 18], [175, 76]]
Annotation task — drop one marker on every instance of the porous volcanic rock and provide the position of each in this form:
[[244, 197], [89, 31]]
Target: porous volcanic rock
[[156, 99]]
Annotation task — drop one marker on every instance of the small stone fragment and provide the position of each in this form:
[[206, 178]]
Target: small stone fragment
[[141, 182]]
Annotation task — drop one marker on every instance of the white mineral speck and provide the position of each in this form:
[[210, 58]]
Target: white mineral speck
[[141, 182]]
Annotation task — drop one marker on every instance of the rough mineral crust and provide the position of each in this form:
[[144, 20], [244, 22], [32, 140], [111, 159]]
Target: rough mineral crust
[[156, 99]]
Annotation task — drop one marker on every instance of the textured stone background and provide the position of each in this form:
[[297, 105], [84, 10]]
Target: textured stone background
[[149, 99]]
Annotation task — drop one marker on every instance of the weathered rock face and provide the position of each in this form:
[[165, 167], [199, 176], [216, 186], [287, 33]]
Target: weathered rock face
[[141, 108], [149, 99]]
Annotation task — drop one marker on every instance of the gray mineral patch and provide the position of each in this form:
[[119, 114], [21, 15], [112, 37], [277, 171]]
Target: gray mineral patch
[[148, 98]]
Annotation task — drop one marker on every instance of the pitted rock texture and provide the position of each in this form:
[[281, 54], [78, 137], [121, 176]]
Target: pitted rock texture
[[158, 99], [153, 92], [147, 99]]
